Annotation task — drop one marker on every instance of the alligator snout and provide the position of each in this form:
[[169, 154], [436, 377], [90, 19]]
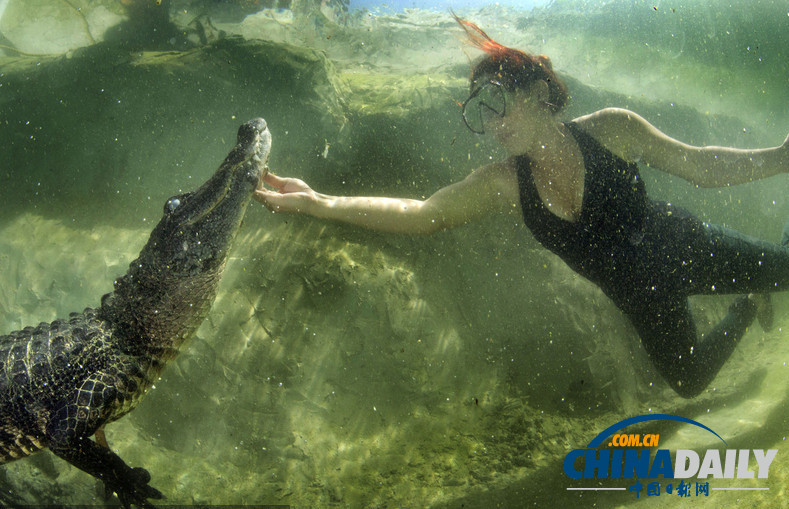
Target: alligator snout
[[249, 130], [254, 145]]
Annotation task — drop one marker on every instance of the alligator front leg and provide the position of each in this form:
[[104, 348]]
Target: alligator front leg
[[68, 436], [129, 484]]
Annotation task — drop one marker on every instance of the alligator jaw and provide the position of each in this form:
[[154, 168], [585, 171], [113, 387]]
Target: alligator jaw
[[246, 163], [169, 288]]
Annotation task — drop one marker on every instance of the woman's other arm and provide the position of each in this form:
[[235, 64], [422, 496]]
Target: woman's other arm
[[633, 138], [487, 190]]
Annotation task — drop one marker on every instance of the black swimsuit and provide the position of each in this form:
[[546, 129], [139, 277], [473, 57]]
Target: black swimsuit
[[649, 256]]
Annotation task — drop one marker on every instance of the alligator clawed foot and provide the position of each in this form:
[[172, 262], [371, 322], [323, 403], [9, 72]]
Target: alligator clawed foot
[[135, 491]]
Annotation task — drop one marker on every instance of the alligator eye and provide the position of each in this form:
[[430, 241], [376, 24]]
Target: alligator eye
[[171, 204]]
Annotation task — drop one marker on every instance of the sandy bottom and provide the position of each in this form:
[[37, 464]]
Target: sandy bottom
[[339, 369]]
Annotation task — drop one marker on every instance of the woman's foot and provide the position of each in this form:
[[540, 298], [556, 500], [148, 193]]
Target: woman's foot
[[764, 310]]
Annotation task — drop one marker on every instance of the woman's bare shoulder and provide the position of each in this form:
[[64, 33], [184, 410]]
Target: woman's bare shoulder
[[499, 173], [490, 180], [499, 177], [503, 167], [621, 131], [608, 118]]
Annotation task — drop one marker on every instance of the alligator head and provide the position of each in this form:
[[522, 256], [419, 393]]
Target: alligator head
[[169, 288]]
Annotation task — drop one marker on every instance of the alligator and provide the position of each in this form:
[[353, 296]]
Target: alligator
[[61, 382]]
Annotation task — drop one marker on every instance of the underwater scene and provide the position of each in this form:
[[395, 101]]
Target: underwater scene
[[344, 367]]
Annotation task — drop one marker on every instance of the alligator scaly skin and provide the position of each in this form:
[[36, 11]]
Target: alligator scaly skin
[[60, 382]]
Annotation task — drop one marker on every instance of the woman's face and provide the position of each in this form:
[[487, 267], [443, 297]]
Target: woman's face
[[514, 118], [522, 122], [486, 103]]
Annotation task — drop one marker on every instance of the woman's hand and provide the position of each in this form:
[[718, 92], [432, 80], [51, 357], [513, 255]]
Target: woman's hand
[[288, 194], [784, 157]]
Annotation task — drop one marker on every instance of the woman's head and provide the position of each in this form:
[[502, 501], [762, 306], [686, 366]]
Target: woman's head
[[514, 69]]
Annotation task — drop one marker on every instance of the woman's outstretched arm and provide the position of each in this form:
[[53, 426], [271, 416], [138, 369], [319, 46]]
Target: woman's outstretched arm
[[487, 190], [633, 138]]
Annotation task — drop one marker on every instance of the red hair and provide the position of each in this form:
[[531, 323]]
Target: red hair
[[513, 68]]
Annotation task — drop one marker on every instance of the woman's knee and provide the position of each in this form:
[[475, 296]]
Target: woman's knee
[[688, 389]]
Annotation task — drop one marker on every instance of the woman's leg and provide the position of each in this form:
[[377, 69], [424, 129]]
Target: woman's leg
[[726, 261], [684, 256], [687, 361]]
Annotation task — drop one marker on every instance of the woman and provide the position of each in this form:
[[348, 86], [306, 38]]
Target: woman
[[579, 191]]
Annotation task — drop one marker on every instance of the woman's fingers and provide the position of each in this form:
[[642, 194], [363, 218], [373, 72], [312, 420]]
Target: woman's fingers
[[274, 181], [284, 194], [285, 184], [266, 197]]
